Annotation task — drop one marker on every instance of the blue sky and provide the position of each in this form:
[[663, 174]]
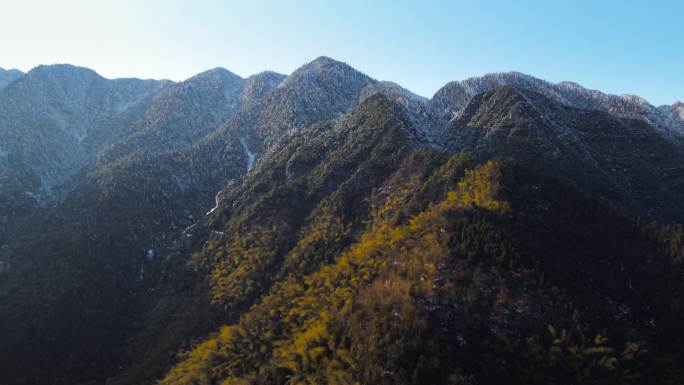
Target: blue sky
[[616, 46]]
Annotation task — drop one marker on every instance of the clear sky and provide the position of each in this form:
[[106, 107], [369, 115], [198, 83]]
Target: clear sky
[[616, 46]]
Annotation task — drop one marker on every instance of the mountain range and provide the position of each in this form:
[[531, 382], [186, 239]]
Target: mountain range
[[327, 227]]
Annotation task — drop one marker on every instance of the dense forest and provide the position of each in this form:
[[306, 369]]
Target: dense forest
[[326, 228]]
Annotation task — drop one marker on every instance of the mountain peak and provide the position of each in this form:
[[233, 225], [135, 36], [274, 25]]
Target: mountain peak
[[325, 61], [8, 76], [319, 90], [61, 68], [218, 73], [323, 68], [60, 74], [327, 79], [10, 70]]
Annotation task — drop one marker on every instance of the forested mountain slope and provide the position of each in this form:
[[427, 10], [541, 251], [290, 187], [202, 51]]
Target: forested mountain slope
[[622, 161], [107, 235], [458, 272], [324, 227]]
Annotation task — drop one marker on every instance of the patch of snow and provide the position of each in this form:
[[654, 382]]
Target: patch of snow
[[250, 155], [188, 230], [218, 198], [212, 209]]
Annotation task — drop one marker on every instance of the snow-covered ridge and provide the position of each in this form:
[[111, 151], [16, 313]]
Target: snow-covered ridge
[[74, 115], [54, 115], [320, 90], [453, 98]]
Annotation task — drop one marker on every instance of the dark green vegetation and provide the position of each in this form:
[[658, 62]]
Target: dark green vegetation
[[463, 291], [449, 271], [375, 241]]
